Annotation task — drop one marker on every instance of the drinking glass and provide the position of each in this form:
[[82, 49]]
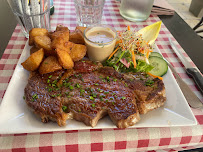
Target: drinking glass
[[31, 14], [136, 10], [89, 12]]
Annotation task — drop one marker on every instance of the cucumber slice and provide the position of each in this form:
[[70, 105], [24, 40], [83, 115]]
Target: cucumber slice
[[155, 54], [159, 64]]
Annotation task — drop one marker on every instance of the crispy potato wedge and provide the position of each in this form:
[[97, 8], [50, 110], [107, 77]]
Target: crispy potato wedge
[[34, 60], [60, 38], [36, 32], [61, 28], [33, 50], [77, 52], [64, 59], [77, 37], [43, 42], [50, 64], [69, 45], [81, 28], [64, 34], [60, 43]]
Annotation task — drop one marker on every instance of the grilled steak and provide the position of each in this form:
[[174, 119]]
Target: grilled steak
[[39, 96], [89, 92], [150, 92], [92, 95]]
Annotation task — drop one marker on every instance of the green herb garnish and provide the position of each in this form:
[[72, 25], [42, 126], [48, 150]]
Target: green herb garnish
[[58, 95], [104, 80], [114, 80], [35, 96], [149, 82], [53, 95], [91, 97], [77, 85], [71, 87], [123, 98], [50, 89], [94, 95], [64, 108]]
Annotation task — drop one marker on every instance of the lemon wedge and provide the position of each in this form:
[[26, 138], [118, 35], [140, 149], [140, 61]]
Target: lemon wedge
[[150, 33]]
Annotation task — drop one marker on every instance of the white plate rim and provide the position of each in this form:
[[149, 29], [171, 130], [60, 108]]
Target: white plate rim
[[9, 128]]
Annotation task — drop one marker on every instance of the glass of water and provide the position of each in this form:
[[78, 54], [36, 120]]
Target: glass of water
[[31, 14], [136, 10], [89, 12]]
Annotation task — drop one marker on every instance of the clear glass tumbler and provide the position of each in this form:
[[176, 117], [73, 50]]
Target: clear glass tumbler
[[136, 10], [31, 14], [89, 12]]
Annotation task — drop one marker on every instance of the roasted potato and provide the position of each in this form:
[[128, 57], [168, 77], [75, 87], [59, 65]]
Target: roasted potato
[[33, 49], [36, 32], [60, 38], [61, 28], [59, 43], [77, 52], [63, 34], [69, 45], [76, 37], [81, 28], [50, 64], [34, 60], [43, 42], [64, 59]]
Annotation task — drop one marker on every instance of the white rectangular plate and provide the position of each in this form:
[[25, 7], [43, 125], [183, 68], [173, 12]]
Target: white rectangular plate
[[15, 117]]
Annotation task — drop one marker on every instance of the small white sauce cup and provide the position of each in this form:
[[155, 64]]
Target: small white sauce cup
[[99, 51]]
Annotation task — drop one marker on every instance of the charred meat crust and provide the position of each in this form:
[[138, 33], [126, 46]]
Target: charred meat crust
[[40, 99], [90, 92], [86, 66], [148, 97], [99, 94]]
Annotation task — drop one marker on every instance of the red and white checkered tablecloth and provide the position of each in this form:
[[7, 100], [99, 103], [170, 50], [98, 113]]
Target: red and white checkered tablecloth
[[141, 139]]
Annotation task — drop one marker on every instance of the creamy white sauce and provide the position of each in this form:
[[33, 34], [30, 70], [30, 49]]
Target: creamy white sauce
[[100, 42], [102, 36]]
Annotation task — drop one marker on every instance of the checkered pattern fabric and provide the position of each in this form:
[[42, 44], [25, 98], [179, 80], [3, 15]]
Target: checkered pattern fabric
[[141, 139]]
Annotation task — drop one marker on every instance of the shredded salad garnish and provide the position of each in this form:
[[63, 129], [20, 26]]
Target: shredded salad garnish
[[131, 53]]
